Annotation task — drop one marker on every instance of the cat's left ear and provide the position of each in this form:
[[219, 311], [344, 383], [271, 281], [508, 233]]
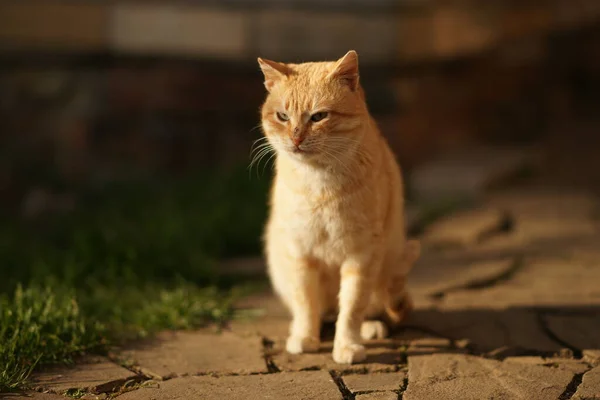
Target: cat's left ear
[[273, 72], [346, 68]]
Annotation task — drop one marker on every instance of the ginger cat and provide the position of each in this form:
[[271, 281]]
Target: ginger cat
[[335, 240]]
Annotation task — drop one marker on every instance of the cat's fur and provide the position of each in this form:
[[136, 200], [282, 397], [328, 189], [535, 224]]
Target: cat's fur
[[335, 240]]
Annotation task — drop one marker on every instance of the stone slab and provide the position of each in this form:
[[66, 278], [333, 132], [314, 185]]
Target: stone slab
[[575, 366], [91, 396], [592, 356], [579, 331], [93, 374], [382, 356], [181, 353], [267, 327], [306, 385], [371, 382], [431, 345], [544, 213], [31, 396], [464, 228], [589, 389], [441, 377], [567, 282], [267, 302], [545, 202], [433, 275], [261, 314], [377, 396], [486, 329], [467, 172]]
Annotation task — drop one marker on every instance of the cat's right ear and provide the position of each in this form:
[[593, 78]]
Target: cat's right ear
[[346, 69], [273, 72]]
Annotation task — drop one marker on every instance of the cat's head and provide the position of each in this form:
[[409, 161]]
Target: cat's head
[[313, 110]]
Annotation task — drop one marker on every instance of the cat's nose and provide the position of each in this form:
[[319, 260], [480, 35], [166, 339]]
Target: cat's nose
[[297, 140], [297, 137]]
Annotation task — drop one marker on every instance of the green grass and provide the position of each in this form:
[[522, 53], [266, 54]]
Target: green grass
[[132, 259]]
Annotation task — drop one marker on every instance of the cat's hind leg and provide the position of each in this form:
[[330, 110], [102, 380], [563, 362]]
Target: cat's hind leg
[[373, 329]]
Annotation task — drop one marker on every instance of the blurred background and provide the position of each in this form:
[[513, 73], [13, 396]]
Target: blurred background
[[126, 127], [95, 91]]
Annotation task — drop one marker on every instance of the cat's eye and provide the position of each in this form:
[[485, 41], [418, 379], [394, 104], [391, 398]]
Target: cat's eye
[[282, 116], [316, 117]]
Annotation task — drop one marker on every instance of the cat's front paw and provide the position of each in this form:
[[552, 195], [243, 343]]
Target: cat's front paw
[[298, 344], [349, 353]]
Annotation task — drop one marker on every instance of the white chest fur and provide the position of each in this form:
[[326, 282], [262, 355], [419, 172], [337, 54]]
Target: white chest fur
[[322, 221]]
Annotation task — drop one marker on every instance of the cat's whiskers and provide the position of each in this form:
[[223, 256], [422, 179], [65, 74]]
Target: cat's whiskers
[[258, 155], [336, 154], [259, 152], [342, 144], [268, 161], [258, 149], [257, 144], [256, 127]]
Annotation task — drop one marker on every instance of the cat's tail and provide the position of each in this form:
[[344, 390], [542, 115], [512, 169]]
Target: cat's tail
[[396, 309], [412, 252]]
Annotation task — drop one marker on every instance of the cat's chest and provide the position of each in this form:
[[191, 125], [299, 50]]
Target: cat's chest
[[322, 221]]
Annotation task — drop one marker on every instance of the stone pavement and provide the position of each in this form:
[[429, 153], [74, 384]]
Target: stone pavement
[[507, 306]]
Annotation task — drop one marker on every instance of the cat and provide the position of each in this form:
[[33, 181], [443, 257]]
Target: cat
[[335, 238]]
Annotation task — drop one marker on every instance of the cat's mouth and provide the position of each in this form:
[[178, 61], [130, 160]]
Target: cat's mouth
[[298, 150]]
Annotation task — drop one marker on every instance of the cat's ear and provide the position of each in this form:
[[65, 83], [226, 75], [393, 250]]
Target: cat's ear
[[346, 69], [273, 71]]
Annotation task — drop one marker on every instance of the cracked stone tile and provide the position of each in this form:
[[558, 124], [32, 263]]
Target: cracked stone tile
[[552, 227], [272, 328], [464, 228], [89, 396], [566, 282], [432, 276], [377, 396], [431, 346], [306, 385], [580, 331], [592, 356], [441, 377], [382, 355], [93, 374], [31, 396], [271, 305], [547, 213], [370, 382], [485, 329], [273, 320], [574, 366], [544, 202], [589, 389], [182, 353], [467, 172]]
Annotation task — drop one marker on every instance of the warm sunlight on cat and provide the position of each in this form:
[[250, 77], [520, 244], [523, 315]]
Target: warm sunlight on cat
[[335, 240]]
